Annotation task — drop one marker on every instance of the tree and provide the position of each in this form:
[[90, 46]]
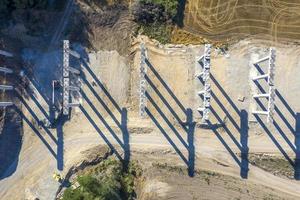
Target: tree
[[4, 6], [147, 12], [25, 4]]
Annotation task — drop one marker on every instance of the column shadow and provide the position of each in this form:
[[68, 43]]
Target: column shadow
[[62, 119], [242, 129], [121, 124], [110, 145], [220, 96], [35, 128], [180, 13], [98, 82], [125, 135], [244, 143], [276, 124], [188, 125], [36, 125], [297, 143]]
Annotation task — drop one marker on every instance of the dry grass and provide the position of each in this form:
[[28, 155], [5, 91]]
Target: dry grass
[[221, 20], [180, 36]]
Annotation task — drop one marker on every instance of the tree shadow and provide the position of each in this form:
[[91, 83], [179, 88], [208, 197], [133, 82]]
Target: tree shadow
[[180, 13], [188, 125]]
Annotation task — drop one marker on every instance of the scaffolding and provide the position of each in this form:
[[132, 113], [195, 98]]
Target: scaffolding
[[143, 85], [204, 77], [5, 53], [6, 70], [67, 104], [271, 58], [6, 87]]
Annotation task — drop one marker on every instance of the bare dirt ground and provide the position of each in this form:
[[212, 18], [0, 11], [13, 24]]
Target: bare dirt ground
[[102, 26], [166, 179], [109, 116], [217, 158]]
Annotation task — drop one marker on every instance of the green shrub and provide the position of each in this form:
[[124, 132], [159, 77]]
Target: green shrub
[[158, 31], [90, 188], [106, 181], [169, 5], [4, 5]]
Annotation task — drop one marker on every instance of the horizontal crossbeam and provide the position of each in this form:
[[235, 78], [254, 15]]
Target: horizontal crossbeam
[[6, 70], [6, 87], [262, 60], [5, 53], [6, 104], [74, 53]]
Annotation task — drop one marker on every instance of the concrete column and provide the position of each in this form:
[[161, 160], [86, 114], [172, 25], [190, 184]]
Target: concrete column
[[143, 84], [66, 96], [272, 59], [205, 76], [66, 58]]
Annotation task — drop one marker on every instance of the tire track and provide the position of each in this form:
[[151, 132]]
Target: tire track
[[275, 19]]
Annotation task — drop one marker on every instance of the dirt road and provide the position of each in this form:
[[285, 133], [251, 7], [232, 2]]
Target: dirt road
[[37, 165]]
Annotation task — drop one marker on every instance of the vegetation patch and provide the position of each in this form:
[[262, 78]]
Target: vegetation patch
[[160, 32], [180, 36], [156, 18], [170, 6], [182, 170], [273, 164], [110, 179]]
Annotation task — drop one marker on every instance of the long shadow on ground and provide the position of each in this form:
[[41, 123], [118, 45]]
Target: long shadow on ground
[[187, 124], [279, 122], [10, 143]]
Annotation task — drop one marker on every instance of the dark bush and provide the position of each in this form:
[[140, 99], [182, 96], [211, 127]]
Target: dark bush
[[26, 4], [7, 6], [170, 6]]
